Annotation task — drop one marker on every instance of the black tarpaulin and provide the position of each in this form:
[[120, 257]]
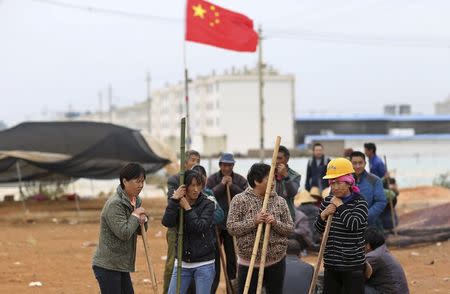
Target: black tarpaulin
[[49, 150]]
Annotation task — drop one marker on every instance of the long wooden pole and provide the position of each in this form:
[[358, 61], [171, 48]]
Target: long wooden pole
[[234, 238], [149, 260], [222, 262], [263, 258], [391, 204], [264, 207], [312, 288], [181, 222]]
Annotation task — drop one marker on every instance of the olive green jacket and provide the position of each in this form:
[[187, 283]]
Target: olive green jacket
[[116, 248]]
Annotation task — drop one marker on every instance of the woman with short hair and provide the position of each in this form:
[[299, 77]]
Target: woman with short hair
[[198, 242], [120, 222]]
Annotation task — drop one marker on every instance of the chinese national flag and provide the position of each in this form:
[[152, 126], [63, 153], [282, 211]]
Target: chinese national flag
[[213, 25]]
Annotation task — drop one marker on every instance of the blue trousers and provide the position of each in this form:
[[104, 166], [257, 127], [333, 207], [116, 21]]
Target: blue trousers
[[203, 277]]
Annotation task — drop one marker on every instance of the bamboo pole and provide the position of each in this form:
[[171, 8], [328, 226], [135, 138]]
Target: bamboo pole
[[181, 222], [312, 288], [264, 207], [149, 260], [262, 263], [222, 262]]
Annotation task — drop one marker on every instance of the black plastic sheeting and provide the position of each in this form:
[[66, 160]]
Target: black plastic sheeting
[[96, 150]]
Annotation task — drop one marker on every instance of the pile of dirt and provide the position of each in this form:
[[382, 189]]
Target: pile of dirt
[[421, 197], [436, 216]]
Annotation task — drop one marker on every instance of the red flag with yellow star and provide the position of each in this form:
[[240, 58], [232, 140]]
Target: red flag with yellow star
[[210, 24]]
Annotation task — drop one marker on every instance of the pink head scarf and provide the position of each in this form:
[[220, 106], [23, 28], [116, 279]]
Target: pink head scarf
[[349, 179]]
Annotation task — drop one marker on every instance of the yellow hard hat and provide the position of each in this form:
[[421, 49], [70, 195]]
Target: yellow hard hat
[[338, 167]]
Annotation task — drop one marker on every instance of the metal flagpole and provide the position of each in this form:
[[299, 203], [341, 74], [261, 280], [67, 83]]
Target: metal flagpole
[[186, 88], [261, 98]]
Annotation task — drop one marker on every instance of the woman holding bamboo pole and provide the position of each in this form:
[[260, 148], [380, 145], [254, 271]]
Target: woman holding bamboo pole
[[346, 209], [243, 219], [198, 241]]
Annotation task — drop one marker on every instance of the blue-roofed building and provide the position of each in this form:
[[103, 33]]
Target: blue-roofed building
[[386, 127]]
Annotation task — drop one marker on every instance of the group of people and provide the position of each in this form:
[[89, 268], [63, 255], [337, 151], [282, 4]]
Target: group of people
[[222, 212], [378, 188], [356, 259], [206, 231]]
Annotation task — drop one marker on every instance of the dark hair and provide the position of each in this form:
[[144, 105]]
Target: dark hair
[[392, 181], [348, 152], [190, 175], [284, 150], [257, 172], [190, 153], [201, 170], [131, 171], [293, 247], [316, 144], [374, 237], [357, 154], [371, 147]]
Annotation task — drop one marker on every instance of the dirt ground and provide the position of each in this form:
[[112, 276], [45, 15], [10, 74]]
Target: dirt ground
[[53, 244]]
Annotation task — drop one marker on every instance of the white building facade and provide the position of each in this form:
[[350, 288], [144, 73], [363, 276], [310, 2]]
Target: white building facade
[[224, 111]]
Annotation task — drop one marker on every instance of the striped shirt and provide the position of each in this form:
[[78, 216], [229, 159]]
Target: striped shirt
[[345, 246]]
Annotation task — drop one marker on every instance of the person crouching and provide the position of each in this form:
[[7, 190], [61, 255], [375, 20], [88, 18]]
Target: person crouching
[[198, 241]]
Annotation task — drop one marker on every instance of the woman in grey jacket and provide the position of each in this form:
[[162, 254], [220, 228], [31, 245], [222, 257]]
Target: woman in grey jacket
[[120, 222]]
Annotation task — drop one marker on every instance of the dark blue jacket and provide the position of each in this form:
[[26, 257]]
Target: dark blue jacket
[[377, 166], [315, 173]]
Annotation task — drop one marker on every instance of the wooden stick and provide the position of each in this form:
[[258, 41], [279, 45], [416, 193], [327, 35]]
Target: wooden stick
[[149, 260], [391, 204], [234, 238], [312, 288], [264, 207], [181, 211], [263, 258], [222, 262]]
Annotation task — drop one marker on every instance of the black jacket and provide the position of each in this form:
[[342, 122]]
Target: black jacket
[[315, 174], [198, 239]]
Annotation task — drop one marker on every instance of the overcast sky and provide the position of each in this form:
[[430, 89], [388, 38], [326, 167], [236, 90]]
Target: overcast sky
[[347, 56]]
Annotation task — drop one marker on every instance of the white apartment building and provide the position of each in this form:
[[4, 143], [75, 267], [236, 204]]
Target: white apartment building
[[223, 108], [224, 111]]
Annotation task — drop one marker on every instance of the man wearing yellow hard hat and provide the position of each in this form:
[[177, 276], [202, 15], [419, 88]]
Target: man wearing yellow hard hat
[[346, 208]]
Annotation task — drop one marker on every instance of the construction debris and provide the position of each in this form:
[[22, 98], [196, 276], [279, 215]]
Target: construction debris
[[35, 284]]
